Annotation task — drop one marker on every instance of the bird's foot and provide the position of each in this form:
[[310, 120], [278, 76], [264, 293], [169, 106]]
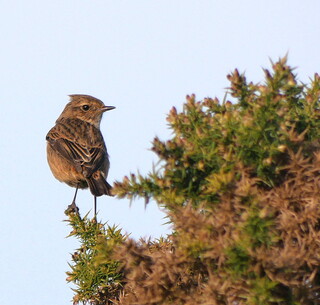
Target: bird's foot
[[72, 208]]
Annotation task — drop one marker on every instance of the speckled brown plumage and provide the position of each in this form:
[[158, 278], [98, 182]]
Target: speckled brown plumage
[[76, 151]]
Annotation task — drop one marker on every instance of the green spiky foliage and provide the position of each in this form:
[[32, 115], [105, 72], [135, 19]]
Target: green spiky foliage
[[239, 182], [94, 273]]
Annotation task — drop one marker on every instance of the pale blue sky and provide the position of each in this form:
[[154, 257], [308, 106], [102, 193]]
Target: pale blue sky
[[141, 56]]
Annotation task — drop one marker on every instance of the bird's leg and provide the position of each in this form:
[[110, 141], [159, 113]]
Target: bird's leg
[[73, 207], [95, 206], [75, 196]]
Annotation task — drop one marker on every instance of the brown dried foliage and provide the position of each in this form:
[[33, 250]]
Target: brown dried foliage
[[166, 273]]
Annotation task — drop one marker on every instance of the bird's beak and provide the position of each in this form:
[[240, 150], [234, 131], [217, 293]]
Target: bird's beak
[[107, 108]]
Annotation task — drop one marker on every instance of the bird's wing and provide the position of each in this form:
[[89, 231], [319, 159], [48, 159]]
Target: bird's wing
[[86, 159]]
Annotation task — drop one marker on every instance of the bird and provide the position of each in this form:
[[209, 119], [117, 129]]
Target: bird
[[76, 151]]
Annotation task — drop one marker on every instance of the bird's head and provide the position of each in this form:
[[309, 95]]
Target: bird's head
[[86, 108]]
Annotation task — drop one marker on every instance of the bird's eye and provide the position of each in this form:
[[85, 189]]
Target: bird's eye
[[85, 107]]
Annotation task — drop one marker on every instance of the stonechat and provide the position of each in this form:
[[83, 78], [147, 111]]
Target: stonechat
[[76, 152]]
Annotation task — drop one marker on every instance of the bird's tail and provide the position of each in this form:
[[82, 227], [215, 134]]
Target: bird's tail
[[98, 185]]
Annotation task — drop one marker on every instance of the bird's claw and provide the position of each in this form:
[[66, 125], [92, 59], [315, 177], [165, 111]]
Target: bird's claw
[[72, 208]]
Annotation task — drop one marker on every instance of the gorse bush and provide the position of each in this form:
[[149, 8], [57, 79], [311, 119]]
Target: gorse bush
[[95, 282], [240, 184]]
